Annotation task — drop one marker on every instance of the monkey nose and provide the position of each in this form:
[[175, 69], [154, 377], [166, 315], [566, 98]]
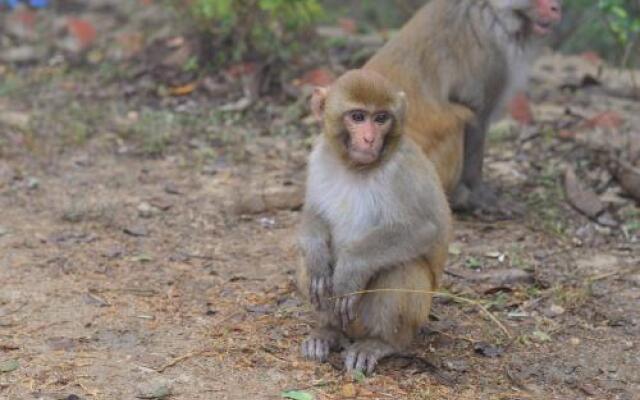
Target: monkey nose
[[555, 11]]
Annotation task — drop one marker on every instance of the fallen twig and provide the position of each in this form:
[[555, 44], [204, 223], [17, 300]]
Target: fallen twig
[[182, 358]]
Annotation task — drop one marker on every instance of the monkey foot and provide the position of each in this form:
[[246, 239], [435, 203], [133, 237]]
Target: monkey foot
[[483, 202], [320, 343], [364, 355], [316, 349]]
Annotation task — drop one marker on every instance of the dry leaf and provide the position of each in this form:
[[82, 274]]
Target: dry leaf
[[183, 90]]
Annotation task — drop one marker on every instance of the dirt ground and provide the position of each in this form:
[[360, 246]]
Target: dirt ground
[[147, 251]]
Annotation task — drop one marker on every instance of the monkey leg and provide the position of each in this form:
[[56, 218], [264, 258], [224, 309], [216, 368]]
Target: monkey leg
[[472, 193], [388, 321]]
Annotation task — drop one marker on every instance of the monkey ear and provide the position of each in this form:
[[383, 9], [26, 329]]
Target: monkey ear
[[318, 101]]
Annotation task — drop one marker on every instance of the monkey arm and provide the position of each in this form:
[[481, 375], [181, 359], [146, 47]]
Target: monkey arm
[[362, 260], [382, 248], [315, 242]]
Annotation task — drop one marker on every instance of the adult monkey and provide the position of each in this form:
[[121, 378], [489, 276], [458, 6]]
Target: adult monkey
[[471, 53]]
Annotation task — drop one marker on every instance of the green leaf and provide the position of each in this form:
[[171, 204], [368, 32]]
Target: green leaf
[[541, 337], [8, 366], [297, 395], [359, 376], [473, 263]]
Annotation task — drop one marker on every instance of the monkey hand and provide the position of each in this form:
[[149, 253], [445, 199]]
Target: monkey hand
[[320, 289], [345, 308], [345, 288]]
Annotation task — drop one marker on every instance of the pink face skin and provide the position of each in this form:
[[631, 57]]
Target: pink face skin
[[548, 13], [367, 132]]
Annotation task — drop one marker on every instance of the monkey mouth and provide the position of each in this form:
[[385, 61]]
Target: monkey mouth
[[362, 157], [542, 28]]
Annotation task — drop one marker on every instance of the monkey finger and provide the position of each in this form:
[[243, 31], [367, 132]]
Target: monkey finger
[[322, 350], [371, 364], [321, 289], [351, 307], [313, 292], [350, 361], [344, 313], [308, 348], [361, 364], [328, 284]]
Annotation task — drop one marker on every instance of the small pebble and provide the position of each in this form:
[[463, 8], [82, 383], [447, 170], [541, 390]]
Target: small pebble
[[556, 310], [33, 183], [146, 210]]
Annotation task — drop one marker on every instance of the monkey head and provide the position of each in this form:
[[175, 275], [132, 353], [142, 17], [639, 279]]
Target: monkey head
[[536, 16], [362, 114]]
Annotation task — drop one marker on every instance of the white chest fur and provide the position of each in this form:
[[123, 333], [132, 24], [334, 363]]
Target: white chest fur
[[519, 60], [352, 202]]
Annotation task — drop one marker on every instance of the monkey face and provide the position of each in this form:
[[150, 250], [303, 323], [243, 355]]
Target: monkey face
[[367, 131], [543, 15]]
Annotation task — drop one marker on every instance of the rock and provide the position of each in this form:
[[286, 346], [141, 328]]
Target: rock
[[136, 231], [270, 199], [629, 178], [487, 350], [456, 365], [172, 188], [33, 183], [8, 366], [22, 54], [146, 210], [503, 277], [598, 264], [21, 24], [237, 106], [584, 200], [16, 120], [161, 204], [113, 252], [556, 310], [157, 389]]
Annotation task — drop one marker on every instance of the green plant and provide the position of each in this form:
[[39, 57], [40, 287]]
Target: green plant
[[236, 30], [622, 18], [610, 27]]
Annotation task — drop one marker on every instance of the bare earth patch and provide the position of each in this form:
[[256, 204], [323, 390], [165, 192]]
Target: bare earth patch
[[147, 246]]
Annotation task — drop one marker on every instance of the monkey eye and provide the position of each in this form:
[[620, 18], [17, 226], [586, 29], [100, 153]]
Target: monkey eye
[[382, 118], [358, 116]]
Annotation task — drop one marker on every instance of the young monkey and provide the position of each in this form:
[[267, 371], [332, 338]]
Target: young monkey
[[375, 217]]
